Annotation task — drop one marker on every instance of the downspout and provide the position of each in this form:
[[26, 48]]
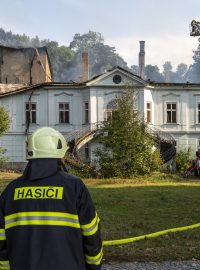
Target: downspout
[[48, 107], [1, 62], [28, 122]]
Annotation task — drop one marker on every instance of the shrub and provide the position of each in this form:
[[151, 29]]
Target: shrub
[[183, 160], [4, 126]]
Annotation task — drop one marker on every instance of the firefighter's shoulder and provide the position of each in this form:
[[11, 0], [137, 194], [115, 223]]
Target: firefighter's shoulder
[[71, 179], [14, 183], [73, 183]]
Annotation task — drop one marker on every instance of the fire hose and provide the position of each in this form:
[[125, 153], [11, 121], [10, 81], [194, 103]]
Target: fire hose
[[149, 236]]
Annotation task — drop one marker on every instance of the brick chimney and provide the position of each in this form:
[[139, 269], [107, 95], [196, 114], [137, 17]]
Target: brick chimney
[[85, 67], [167, 75], [142, 60]]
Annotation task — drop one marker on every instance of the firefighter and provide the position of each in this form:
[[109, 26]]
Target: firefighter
[[47, 218], [193, 25]]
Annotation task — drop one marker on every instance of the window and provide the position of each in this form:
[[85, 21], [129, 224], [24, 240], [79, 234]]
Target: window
[[86, 112], [110, 110], [117, 79], [109, 115], [148, 112], [31, 113], [64, 113], [171, 113], [198, 113]]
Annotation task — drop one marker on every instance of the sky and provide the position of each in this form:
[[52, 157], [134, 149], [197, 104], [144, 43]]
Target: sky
[[162, 24]]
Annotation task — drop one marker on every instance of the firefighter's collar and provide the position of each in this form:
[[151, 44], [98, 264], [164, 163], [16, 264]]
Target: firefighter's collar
[[40, 168]]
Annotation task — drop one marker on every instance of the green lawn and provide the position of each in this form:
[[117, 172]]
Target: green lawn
[[129, 208]]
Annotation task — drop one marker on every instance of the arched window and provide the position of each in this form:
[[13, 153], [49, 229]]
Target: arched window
[[110, 108]]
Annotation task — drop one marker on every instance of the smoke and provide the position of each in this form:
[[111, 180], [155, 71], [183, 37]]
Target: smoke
[[67, 68], [74, 69]]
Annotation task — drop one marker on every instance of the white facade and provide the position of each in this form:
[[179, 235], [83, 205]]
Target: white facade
[[174, 108], [186, 98]]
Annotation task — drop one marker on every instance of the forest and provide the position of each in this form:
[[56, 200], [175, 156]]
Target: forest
[[65, 60]]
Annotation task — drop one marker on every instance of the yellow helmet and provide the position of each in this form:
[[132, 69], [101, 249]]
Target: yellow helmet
[[46, 142]]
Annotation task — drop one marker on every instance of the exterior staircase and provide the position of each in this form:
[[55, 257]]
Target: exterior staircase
[[164, 141], [76, 140]]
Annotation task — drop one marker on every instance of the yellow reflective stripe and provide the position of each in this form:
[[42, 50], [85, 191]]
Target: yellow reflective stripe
[[4, 265], [95, 259], [91, 228], [53, 214], [2, 234], [87, 226], [42, 222], [42, 218]]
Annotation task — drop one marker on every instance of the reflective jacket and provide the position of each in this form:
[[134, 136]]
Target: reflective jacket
[[49, 223]]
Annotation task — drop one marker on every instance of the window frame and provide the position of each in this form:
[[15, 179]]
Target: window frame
[[149, 110], [171, 110], [30, 112], [86, 113], [63, 111], [110, 109]]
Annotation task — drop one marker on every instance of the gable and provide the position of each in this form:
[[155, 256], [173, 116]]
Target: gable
[[116, 78]]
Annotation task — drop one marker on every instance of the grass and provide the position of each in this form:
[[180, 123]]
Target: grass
[[129, 208], [137, 210]]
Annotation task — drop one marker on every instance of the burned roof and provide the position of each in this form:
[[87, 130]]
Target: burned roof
[[22, 48], [166, 84], [36, 86], [29, 49], [6, 90]]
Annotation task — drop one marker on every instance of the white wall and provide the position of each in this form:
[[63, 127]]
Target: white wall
[[47, 115], [186, 131], [148, 97], [15, 147]]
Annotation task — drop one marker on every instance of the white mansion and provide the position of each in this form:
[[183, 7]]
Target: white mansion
[[173, 108], [170, 107]]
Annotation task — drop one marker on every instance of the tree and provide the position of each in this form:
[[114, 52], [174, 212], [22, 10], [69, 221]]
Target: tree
[[35, 42], [167, 66], [101, 56], [86, 41], [10, 39], [153, 73], [181, 71], [4, 126], [194, 70], [167, 71], [135, 69], [127, 149], [60, 57]]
